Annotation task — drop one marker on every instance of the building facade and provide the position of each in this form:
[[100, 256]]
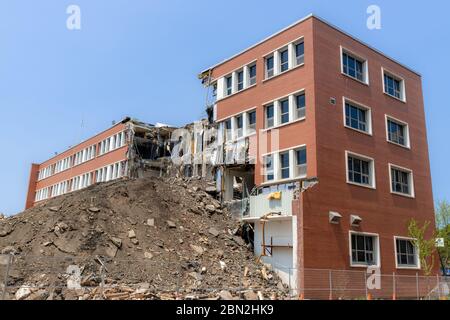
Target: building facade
[[325, 110], [120, 151]]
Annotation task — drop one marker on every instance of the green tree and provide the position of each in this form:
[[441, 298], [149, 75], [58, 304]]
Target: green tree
[[426, 248], [443, 230]]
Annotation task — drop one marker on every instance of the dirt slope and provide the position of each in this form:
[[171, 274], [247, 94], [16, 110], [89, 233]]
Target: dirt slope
[[165, 238]]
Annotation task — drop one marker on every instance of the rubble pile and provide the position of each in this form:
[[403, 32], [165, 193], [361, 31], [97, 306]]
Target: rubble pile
[[149, 238]]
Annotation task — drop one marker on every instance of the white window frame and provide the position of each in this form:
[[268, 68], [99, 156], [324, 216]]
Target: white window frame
[[277, 165], [361, 106], [411, 267], [358, 57], [397, 77], [373, 184], [376, 246], [411, 181], [407, 136]]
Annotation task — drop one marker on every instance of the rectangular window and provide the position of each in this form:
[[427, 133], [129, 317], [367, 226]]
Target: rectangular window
[[240, 80], [284, 165], [229, 85], [360, 170], [401, 181], [268, 167], [300, 162], [406, 253], [393, 86], [252, 74], [269, 116], [284, 60], [228, 131], [353, 67], [356, 117], [300, 106], [284, 111], [239, 126], [397, 132], [251, 118], [269, 67], [300, 53], [364, 249]]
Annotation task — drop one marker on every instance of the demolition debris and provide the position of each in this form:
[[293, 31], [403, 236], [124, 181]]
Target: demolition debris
[[148, 238]]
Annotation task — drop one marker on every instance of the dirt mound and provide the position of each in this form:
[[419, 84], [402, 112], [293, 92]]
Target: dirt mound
[[146, 238]]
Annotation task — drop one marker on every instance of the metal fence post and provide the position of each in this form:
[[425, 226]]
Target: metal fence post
[[331, 285], [394, 287], [5, 281], [438, 287], [365, 285], [102, 283], [417, 286]]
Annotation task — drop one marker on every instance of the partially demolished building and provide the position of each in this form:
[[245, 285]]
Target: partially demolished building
[[309, 136], [128, 148]]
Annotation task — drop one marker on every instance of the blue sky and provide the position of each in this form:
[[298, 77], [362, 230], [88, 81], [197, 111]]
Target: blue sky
[[141, 58]]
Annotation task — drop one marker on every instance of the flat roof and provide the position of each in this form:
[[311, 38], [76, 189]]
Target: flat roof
[[300, 21]]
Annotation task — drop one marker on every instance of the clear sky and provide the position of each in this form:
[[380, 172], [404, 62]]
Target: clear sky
[[141, 58]]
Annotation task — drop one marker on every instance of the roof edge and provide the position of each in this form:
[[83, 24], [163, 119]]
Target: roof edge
[[311, 15]]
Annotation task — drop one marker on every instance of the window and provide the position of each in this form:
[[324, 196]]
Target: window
[[393, 86], [299, 53], [284, 60], [397, 132], [284, 111], [360, 170], [300, 105], [401, 181], [284, 165], [357, 117], [228, 131], [239, 126], [269, 116], [300, 162], [229, 85], [353, 67], [240, 80], [406, 253], [364, 249], [251, 118], [268, 167], [252, 74], [269, 67]]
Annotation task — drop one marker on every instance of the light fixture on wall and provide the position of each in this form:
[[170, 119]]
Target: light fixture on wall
[[334, 217], [355, 221]]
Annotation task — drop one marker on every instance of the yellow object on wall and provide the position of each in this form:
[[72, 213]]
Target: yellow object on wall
[[275, 196]]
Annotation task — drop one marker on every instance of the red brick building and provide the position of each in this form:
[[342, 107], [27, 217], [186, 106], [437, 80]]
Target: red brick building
[[114, 153], [316, 102]]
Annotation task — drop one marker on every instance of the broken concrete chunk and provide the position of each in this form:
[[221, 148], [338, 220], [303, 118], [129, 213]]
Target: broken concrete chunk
[[151, 222], [54, 209], [23, 292], [94, 209], [111, 251], [250, 295], [135, 241], [213, 231], [199, 250], [171, 224], [210, 208], [225, 295], [47, 243], [116, 241], [223, 265], [148, 255], [131, 234]]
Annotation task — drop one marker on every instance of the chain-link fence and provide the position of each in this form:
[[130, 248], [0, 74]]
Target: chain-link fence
[[37, 277]]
